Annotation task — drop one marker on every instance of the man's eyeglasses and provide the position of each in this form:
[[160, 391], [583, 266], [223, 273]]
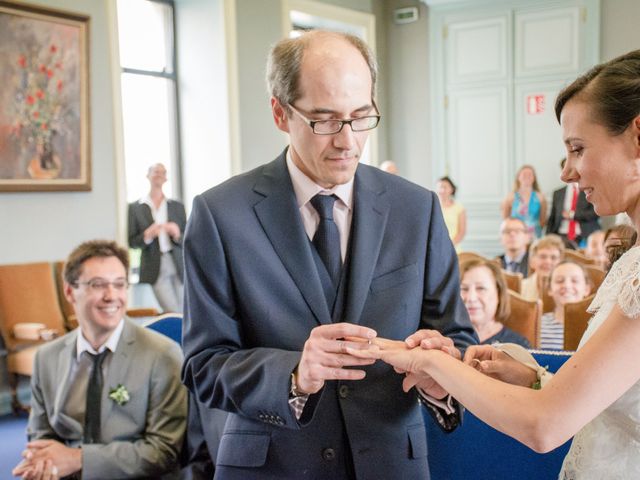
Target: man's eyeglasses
[[509, 231], [331, 127], [101, 285]]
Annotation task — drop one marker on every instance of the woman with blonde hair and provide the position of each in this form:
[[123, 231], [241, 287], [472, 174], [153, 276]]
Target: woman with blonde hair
[[455, 216]]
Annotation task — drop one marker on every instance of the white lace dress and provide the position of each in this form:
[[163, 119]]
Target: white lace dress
[[608, 447]]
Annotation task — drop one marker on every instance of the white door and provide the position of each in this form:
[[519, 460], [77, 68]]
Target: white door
[[496, 70]]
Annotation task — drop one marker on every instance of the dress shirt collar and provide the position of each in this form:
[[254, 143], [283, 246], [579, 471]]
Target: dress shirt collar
[[148, 201], [305, 188], [517, 259], [82, 344]]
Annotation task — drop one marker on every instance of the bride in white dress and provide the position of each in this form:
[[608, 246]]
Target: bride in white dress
[[596, 394]]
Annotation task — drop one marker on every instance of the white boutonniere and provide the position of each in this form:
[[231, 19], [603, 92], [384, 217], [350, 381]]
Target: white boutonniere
[[120, 394]]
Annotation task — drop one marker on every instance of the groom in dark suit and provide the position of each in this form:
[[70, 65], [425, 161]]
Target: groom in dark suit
[[293, 262]]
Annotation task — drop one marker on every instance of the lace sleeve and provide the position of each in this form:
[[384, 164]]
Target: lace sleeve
[[629, 296]]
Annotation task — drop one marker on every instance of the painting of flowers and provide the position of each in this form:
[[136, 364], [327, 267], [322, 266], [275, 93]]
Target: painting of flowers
[[44, 123]]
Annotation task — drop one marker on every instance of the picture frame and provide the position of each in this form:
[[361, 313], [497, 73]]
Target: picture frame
[[44, 101]]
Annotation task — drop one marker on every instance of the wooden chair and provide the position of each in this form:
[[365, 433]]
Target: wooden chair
[[27, 295], [514, 280], [578, 257], [142, 312], [70, 320], [525, 317], [575, 322], [596, 274], [548, 305]]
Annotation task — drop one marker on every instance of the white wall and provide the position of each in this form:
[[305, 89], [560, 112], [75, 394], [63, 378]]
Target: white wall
[[406, 66], [619, 27], [47, 225]]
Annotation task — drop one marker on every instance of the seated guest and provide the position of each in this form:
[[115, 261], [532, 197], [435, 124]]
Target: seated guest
[[107, 401], [569, 282], [595, 249], [514, 239], [617, 240], [544, 255], [484, 293]]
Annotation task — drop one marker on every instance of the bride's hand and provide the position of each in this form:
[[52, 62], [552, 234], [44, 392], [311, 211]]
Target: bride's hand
[[411, 361], [497, 364]]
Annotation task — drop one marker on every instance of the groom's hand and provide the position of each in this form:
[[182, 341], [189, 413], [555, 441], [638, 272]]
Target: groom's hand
[[325, 355], [429, 340]]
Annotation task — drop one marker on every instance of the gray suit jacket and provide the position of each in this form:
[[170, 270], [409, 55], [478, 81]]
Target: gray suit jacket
[[141, 438], [140, 218]]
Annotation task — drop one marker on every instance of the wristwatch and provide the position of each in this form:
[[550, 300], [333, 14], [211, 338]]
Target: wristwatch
[[294, 392]]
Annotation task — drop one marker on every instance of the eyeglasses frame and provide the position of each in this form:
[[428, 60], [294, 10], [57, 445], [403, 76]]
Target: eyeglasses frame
[[312, 123]]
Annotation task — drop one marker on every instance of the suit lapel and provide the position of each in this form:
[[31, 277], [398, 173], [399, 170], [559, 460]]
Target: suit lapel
[[145, 212], [279, 216], [60, 420], [119, 367], [367, 229]]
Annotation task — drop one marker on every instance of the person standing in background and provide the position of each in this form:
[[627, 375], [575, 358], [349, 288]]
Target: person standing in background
[[572, 217], [455, 216], [156, 225], [527, 202]]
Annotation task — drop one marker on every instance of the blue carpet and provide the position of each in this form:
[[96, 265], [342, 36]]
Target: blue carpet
[[13, 438]]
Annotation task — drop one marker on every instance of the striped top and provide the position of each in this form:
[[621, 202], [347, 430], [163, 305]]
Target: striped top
[[551, 333]]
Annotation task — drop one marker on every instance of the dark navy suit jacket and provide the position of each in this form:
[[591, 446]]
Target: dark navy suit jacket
[[253, 295]]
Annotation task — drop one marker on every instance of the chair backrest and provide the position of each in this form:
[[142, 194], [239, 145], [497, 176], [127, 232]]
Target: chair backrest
[[477, 451], [142, 312], [168, 324], [596, 274], [548, 304], [525, 317], [578, 257], [513, 279], [67, 309], [28, 295], [575, 322]]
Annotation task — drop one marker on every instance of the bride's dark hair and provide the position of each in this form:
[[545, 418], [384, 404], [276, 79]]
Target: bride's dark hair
[[612, 89]]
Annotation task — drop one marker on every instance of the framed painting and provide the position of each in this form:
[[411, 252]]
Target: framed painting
[[44, 99]]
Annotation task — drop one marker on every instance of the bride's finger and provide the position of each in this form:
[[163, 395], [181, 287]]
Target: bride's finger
[[372, 352]]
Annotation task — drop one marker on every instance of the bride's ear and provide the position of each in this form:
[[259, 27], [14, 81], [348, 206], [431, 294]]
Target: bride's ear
[[635, 124]]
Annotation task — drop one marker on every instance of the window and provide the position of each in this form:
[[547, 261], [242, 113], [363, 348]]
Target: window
[[149, 93]]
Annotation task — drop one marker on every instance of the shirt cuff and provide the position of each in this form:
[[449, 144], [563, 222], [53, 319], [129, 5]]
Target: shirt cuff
[[297, 405], [445, 404]]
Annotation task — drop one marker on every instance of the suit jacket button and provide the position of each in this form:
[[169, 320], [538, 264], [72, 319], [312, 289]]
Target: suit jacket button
[[343, 391], [328, 454]]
